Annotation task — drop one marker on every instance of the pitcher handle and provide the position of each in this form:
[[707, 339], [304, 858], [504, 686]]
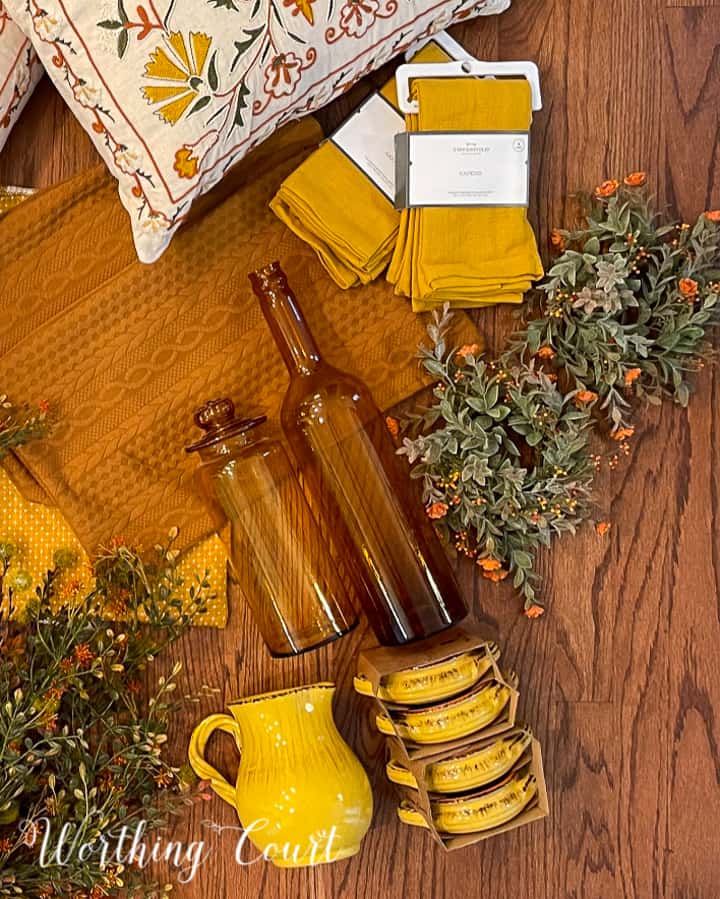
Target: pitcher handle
[[196, 753]]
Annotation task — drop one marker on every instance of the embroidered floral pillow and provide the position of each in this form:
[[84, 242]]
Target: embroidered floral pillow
[[20, 71], [173, 93]]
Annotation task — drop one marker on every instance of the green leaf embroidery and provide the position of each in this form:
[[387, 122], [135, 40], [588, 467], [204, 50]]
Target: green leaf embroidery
[[243, 46], [110, 23], [213, 73], [123, 41], [198, 105], [241, 104]]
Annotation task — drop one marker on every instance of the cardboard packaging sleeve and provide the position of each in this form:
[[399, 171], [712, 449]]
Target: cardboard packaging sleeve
[[376, 664], [420, 800]]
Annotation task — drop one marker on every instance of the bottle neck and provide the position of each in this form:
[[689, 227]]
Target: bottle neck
[[286, 321]]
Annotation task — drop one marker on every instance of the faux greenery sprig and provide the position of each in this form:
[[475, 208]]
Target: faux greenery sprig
[[20, 424], [504, 459], [79, 745], [629, 304]]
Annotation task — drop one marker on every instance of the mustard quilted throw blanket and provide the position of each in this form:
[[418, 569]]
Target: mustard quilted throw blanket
[[125, 352]]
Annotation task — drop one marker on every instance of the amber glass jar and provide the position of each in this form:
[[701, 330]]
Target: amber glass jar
[[277, 553], [344, 450]]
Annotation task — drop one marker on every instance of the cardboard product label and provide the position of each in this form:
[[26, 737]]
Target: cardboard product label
[[367, 138], [536, 810], [467, 168]]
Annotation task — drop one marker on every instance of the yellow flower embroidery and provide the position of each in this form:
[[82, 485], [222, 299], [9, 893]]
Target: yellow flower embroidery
[[181, 63]]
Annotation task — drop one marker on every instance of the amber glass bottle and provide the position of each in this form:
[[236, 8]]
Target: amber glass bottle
[[341, 442]]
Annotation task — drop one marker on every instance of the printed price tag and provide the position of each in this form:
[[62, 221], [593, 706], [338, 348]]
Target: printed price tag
[[445, 168]]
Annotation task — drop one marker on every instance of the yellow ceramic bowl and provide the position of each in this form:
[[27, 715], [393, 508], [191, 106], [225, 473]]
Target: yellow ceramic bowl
[[450, 720], [479, 811], [471, 769], [433, 682]]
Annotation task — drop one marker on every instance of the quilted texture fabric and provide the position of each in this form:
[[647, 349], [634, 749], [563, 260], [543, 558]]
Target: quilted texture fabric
[[126, 353], [30, 521], [173, 94], [20, 71]]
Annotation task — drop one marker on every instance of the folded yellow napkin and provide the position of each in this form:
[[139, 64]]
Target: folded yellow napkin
[[336, 209], [466, 256]]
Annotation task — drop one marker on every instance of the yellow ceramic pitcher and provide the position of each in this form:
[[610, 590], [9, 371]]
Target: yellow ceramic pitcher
[[301, 794]]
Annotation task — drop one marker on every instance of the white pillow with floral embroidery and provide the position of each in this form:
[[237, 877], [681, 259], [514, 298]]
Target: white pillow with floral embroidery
[[20, 71], [173, 93]]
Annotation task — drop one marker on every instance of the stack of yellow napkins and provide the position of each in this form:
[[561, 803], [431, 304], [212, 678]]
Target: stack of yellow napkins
[[336, 209], [466, 256]]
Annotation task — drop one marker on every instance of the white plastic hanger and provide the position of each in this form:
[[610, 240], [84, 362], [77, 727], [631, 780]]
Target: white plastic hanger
[[445, 42], [468, 68]]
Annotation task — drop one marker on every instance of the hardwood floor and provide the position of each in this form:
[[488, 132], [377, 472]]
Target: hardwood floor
[[621, 679]]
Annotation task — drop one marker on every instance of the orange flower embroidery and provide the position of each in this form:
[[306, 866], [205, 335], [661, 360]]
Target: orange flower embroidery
[[489, 564], [632, 374], [635, 179], [713, 215], [583, 397], [606, 189], [186, 165], [437, 510], [602, 527], [688, 287], [535, 611], [545, 352], [622, 433], [496, 576], [44, 406], [392, 425], [470, 349], [557, 240]]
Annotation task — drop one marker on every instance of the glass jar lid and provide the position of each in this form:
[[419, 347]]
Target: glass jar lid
[[217, 418]]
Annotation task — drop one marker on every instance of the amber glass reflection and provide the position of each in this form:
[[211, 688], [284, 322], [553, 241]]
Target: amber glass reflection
[[277, 553], [340, 439]]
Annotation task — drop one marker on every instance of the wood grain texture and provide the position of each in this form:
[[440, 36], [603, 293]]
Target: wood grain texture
[[621, 680]]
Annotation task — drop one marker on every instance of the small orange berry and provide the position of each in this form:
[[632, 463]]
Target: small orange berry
[[535, 611], [392, 425], [713, 215], [545, 352], [632, 374], [688, 287]]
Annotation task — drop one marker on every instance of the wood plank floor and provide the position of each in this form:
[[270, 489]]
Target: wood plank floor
[[621, 680]]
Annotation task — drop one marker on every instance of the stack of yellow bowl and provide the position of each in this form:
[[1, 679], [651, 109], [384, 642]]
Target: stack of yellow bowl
[[464, 766]]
